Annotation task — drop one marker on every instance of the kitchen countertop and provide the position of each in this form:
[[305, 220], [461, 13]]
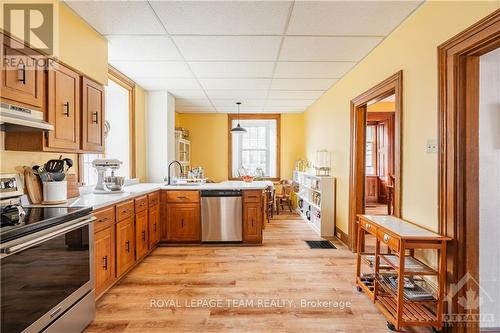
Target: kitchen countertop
[[97, 201]]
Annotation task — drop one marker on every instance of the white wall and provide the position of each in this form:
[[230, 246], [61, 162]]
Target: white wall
[[160, 134], [489, 184]]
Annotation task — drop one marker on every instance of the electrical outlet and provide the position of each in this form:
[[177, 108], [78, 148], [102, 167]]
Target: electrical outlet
[[431, 147]]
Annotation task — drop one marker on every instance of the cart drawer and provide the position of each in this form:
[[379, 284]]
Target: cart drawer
[[368, 227], [389, 240]]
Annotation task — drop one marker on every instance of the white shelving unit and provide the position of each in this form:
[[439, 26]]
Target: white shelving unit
[[182, 150], [316, 201]]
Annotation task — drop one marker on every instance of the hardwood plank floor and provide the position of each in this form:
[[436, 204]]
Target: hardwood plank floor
[[277, 277]]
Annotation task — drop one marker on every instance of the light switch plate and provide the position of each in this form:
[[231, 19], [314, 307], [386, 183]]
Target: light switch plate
[[431, 146]]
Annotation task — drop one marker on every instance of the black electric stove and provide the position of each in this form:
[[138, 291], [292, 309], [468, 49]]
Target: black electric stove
[[15, 224]]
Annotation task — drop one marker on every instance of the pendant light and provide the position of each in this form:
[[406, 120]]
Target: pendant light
[[238, 128]]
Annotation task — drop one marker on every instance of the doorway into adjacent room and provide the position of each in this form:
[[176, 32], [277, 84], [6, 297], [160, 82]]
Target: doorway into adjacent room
[[375, 165], [379, 156]]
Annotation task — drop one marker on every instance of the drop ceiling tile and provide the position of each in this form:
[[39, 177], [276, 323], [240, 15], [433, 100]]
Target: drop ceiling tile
[[167, 69], [166, 83], [252, 84], [231, 102], [302, 84], [369, 18], [220, 48], [141, 48], [289, 102], [237, 94], [194, 109], [187, 94], [118, 17], [284, 109], [302, 69], [223, 17], [213, 69], [243, 109], [182, 102], [295, 94], [327, 48]]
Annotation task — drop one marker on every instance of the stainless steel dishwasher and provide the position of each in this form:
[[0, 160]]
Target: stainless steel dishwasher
[[221, 216]]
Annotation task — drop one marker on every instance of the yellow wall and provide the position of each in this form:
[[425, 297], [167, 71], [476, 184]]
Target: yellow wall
[[412, 47], [140, 134], [209, 142], [382, 107]]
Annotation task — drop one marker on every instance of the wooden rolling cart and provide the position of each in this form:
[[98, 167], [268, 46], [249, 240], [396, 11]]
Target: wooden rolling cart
[[400, 285]]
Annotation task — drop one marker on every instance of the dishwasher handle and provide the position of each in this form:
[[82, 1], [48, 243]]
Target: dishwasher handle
[[221, 193]]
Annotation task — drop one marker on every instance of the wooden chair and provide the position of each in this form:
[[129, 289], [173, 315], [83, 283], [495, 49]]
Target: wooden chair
[[284, 198], [270, 201], [390, 194]]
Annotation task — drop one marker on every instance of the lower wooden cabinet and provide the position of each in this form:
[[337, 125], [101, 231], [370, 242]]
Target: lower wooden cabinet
[[104, 259], [183, 222], [154, 226], [252, 223], [141, 234], [125, 245]]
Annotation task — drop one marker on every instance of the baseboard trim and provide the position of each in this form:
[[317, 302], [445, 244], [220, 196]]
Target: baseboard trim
[[344, 238]]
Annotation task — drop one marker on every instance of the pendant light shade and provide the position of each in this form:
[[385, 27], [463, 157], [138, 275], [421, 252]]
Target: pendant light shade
[[238, 128]]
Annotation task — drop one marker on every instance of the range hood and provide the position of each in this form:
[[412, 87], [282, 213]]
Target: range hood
[[16, 118]]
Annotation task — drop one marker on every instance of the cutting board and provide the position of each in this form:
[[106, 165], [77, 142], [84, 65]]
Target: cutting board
[[73, 186], [33, 186]]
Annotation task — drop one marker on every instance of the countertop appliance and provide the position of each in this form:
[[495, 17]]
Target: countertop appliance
[[221, 216], [46, 265], [108, 184]]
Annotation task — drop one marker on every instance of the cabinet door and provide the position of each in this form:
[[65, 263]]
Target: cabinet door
[[183, 222], [22, 79], [64, 108], [125, 245], [154, 226], [141, 234], [252, 223], [92, 116], [104, 257]]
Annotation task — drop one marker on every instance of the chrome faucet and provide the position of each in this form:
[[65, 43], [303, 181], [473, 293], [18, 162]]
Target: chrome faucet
[[180, 168]]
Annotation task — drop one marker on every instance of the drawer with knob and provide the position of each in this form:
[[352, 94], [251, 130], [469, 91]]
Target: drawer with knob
[[141, 204], [368, 227], [154, 199], [104, 218], [389, 240], [124, 210], [252, 196], [183, 196]]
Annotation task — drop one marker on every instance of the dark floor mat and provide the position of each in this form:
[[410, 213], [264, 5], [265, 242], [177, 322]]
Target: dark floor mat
[[320, 245]]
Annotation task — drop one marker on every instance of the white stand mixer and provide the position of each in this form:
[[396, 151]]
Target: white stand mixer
[[102, 166]]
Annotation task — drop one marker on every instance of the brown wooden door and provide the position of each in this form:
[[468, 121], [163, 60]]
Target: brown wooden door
[[104, 257], [154, 226], [183, 222], [22, 79], [252, 222], [371, 189], [64, 108], [125, 245], [141, 234], [92, 116]]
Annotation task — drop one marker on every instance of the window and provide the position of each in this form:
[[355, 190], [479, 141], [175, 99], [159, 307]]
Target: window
[[119, 130], [371, 152], [255, 151]]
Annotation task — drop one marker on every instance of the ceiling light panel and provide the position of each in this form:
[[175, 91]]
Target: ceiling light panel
[[223, 17], [118, 17]]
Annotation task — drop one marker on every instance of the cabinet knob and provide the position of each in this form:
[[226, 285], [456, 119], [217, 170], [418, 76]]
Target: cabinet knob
[[66, 109], [23, 74], [127, 246], [368, 226], [95, 117], [386, 238], [143, 235], [105, 262]]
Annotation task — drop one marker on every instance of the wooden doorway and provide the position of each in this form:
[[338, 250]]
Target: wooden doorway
[[458, 64], [390, 86]]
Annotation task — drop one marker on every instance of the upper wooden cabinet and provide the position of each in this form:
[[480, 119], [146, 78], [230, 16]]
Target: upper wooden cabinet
[[23, 75], [92, 116], [64, 108]]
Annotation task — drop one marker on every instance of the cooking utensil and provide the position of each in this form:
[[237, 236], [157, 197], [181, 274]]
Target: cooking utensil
[[69, 164], [58, 176], [33, 185], [55, 165], [113, 183]]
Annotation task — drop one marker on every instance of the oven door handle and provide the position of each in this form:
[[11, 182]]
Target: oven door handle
[[35, 241]]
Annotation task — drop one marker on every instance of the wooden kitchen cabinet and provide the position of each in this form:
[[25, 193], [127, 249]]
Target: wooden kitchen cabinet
[[125, 245], [252, 216], [64, 108], [22, 79], [104, 259], [183, 222], [141, 234], [93, 117], [154, 226]]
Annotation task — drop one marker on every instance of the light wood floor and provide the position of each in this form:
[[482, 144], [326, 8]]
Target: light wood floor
[[376, 209], [284, 268]]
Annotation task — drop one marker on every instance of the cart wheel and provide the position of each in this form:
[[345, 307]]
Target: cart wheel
[[391, 326], [358, 288]]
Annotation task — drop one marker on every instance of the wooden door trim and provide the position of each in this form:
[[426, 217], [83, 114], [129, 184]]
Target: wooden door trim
[[458, 197], [391, 85]]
